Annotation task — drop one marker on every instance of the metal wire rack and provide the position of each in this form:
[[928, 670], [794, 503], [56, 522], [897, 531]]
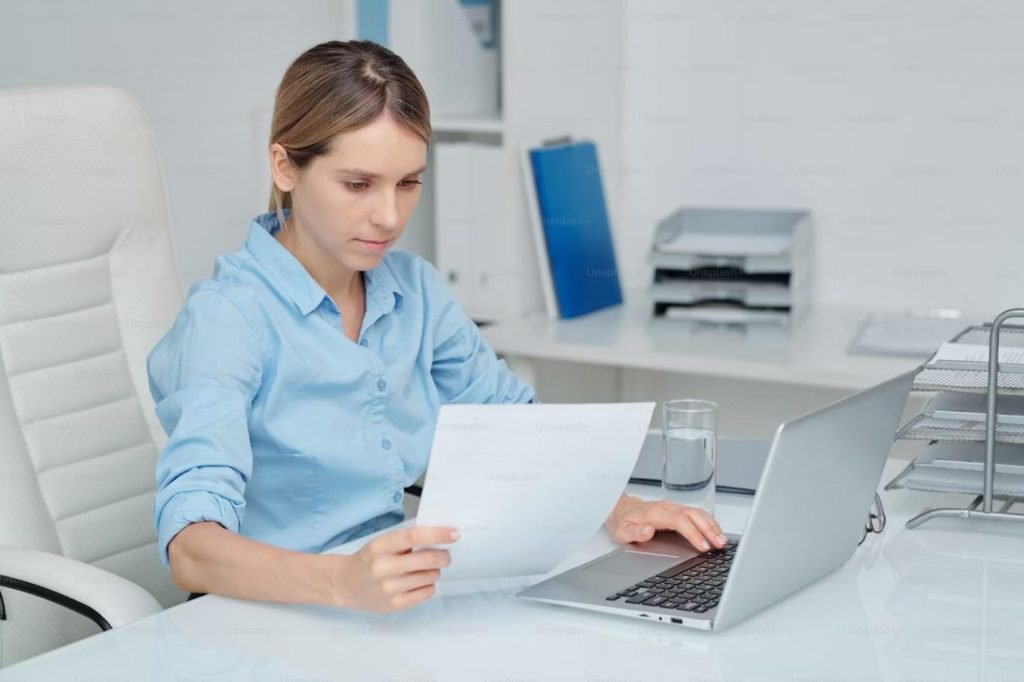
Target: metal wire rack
[[927, 427], [991, 378]]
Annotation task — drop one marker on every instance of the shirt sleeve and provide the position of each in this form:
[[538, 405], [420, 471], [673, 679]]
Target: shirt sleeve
[[203, 375], [464, 368]]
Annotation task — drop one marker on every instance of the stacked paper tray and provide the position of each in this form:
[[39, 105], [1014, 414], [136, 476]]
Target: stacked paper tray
[[972, 377], [954, 421], [927, 427], [919, 476], [967, 380], [1009, 335], [759, 294], [732, 266]]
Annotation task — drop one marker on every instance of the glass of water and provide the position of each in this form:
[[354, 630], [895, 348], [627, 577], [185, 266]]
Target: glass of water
[[690, 441]]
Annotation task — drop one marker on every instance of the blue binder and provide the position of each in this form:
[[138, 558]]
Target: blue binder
[[577, 235]]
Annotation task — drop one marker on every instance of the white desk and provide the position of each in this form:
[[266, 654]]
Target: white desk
[[813, 353], [936, 603]]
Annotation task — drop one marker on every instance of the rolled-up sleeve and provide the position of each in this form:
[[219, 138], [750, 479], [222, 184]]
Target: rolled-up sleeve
[[464, 368], [203, 375]]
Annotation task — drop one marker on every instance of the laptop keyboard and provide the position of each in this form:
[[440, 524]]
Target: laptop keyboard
[[694, 585]]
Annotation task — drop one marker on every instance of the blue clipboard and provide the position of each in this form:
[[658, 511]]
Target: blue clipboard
[[575, 227]]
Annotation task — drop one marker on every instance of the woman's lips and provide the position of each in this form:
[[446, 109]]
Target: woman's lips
[[374, 245]]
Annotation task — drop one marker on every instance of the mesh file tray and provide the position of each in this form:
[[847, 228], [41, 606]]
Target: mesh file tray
[[1011, 335], [961, 458], [969, 380], [918, 476], [926, 427], [973, 377]]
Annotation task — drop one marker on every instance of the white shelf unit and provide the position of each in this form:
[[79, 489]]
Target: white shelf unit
[[559, 73], [469, 125]]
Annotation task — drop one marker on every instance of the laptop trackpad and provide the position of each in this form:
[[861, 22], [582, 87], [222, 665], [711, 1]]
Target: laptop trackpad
[[636, 565]]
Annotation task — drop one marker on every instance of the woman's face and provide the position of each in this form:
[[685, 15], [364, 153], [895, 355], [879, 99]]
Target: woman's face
[[355, 201]]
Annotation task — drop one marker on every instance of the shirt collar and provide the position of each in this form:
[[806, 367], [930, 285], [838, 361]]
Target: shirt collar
[[295, 282]]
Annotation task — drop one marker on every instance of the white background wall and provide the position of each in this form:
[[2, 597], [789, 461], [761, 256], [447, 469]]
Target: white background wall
[[901, 124], [205, 73]]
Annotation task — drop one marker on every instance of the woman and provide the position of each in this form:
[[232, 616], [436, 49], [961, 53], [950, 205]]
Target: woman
[[300, 385]]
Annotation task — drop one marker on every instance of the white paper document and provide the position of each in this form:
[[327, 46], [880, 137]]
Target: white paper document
[[967, 352], [726, 314], [914, 335], [526, 485]]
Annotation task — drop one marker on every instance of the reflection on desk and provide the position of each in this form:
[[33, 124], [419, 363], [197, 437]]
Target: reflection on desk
[[957, 600], [942, 602]]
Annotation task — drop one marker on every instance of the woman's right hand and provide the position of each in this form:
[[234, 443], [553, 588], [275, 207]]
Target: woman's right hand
[[387, 575]]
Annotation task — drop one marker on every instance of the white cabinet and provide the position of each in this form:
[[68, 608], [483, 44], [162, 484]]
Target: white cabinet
[[559, 73], [458, 70], [483, 243]]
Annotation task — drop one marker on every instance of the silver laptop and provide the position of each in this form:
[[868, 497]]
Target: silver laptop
[[811, 504]]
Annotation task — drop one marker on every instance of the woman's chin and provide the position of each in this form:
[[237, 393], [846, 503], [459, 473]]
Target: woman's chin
[[363, 261]]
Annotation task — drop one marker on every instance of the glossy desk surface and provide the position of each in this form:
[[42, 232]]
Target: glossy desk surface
[[811, 353], [942, 602]]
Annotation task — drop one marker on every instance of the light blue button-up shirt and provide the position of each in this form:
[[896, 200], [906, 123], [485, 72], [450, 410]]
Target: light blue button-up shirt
[[283, 429]]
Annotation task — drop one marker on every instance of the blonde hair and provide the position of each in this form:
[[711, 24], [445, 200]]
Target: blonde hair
[[337, 87]]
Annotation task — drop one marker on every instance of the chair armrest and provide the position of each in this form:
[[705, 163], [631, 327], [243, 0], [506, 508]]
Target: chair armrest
[[416, 489], [107, 599]]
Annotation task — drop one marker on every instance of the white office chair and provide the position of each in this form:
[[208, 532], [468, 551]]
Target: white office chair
[[88, 285]]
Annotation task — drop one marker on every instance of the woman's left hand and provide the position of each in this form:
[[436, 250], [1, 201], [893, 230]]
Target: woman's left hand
[[634, 520]]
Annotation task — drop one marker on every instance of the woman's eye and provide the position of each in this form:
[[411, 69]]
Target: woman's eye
[[409, 184], [356, 186]]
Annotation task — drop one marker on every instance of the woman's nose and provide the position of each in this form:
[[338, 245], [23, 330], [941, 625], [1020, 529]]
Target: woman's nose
[[386, 214]]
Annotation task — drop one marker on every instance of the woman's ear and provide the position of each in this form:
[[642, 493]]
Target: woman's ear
[[282, 172]]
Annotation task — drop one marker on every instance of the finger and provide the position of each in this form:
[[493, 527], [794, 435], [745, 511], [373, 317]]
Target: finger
[[715, 524], [666, 517], [414, 597], [710, 520], [628, 531], [400, 540], [704, 521], [685, 527], [422, 560], [410, 581], [707, 526], [391, 565]]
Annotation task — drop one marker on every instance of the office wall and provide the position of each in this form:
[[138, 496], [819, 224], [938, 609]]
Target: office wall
[[206, 74], [900, 124]]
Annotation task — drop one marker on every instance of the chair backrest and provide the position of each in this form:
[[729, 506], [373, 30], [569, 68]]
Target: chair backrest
[[88, 284]]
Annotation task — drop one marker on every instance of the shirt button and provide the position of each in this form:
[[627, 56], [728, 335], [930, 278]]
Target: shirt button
[[397, 497], [381, 385], [364, 343], [386, 444]]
